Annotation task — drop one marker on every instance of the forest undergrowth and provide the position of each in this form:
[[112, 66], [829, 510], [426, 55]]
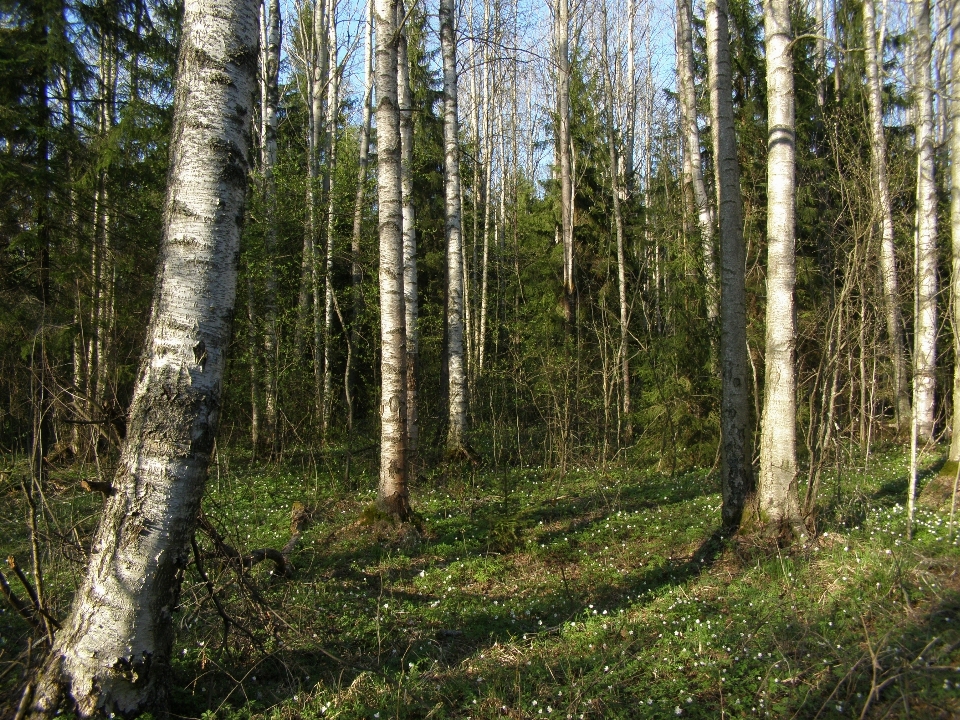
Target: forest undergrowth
[[527, 593]]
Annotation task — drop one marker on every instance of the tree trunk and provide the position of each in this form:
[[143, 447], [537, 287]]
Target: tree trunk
[[691, 145], [623, 351], [735, 455], [456, 367], [955, 223], [355, 267], [392, 497], [333, 112], [113, 654], [777, 500], [270, 100], [925, 335], [881, 189], [563, 143], [409, 236]]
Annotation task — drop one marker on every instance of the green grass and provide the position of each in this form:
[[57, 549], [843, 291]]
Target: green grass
[[530, 594]]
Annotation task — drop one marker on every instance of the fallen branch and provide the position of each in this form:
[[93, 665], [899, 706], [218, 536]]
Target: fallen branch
[[244, 562], [34, 598], [23, 610]]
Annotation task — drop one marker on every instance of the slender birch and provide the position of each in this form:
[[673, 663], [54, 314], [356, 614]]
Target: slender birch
[[356, 275], [333, 113], [925, 334], [392, 497], [270, 98], [457, 376], [884, 212], [777, 499], [691, 146], [563, 147], [623, 351], [113, 654], [735, 455], [954, 108], [409, 234]]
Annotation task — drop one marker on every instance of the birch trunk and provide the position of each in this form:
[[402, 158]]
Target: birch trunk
[[392, 497], [563, 141], [320, 84], [355, 267], [777, 491], [691, 144], [456, 367], [624, 351], [270, 100], [333, 112], [735, 455], [954, 108], [881, 190], [113, 654], [410, 304], [925, 335]]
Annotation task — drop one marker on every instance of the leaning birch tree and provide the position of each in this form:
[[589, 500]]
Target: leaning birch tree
[[777, 502], [736, 471], [456, 366], [112, 656], [392, 497]]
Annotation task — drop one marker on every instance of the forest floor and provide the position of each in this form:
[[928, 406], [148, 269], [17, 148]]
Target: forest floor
[[531, 593]]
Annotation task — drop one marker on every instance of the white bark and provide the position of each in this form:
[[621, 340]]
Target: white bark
[[777, 490], [392, 495], [564, 148], [410, 303], [456, 366], [881, 190], [269, 101], [735, 455], [113, 654], [333, 112], [623, 351], [954, 109], [925, 335], [691, 146], [355, 269]]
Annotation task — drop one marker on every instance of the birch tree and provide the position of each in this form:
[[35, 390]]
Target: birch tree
[[884, 212], [113, 654], [777, 500], [456, 366], [409, 231], [355, 269], [736, 472], [925, 334], [954, 108], [624, 350], [691, 147], [269, 99], [392, 497], [333, 114], [563, 149]]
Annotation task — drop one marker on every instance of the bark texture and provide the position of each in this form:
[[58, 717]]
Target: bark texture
[[925, 335], [113, 654], [881, 190], [735, 454], [392, 496], [691, 148], [563, 146], [777, 500], [410, 303], [955, 222], [456, 366]]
